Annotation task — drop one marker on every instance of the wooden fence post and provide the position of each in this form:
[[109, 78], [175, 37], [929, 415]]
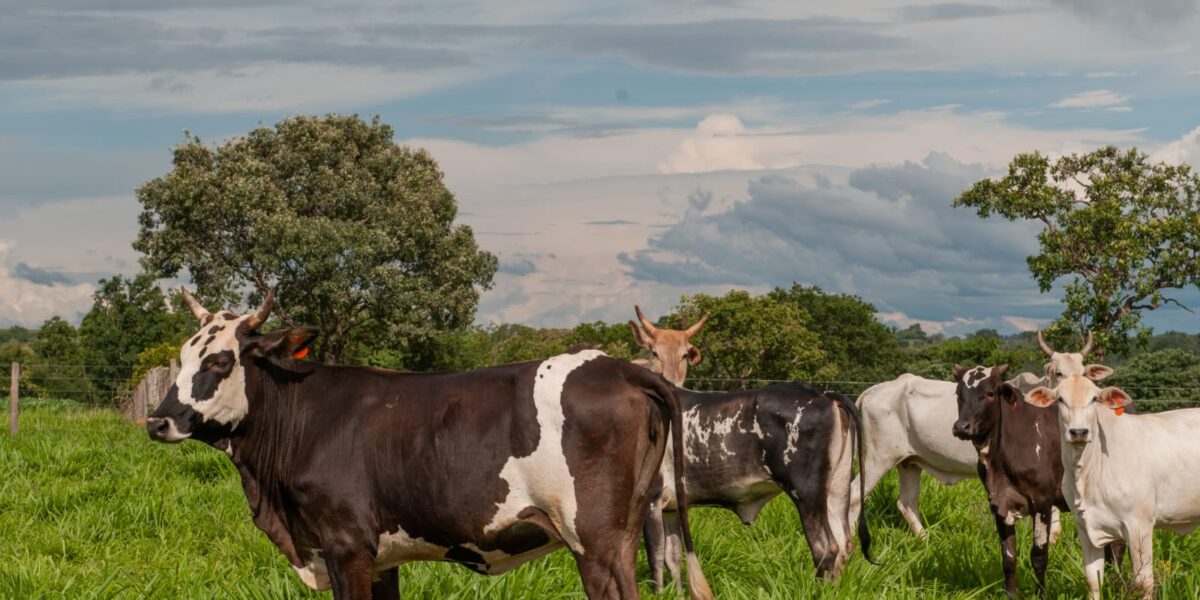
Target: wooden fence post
[[14, 398]]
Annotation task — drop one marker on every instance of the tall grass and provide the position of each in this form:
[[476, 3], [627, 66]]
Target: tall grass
[[90, 508]]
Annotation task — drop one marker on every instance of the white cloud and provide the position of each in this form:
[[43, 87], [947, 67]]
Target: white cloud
[[959, 324], [716, 145], [1184, 150], [867, 104], [1109, 74], [1094, 99], [23, 302], [1023, 323]]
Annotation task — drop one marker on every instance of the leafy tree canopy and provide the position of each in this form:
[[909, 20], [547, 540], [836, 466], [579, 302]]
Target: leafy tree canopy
[[1123, 232], [355, 233]]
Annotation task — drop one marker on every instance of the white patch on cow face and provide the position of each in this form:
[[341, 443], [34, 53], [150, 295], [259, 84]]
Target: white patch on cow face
[[976, 376], [227, 404], [543, 479]]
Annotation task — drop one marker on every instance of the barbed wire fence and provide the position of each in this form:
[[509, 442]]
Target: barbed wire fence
[[46, 385]]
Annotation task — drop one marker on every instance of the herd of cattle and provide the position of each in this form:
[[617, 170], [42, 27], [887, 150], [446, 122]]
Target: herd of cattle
[[352, 471]]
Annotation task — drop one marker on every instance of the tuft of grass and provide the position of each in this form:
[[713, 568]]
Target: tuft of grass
[[90, 508]]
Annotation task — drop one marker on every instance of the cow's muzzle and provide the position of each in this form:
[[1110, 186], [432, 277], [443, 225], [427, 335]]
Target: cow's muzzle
[[964, 430], [1079, 436], [162, 429]]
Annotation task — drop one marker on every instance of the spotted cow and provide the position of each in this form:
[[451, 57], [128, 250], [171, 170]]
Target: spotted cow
[[353, 471], [745, 447], [1019, 462]]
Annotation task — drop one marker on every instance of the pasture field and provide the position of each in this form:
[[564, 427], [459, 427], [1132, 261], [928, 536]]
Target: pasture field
[[90, 508]]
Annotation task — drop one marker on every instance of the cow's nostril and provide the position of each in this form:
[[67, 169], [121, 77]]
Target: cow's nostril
[[1078, 433]]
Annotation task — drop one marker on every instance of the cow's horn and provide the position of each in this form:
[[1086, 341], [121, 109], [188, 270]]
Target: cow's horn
[[264, 311], [1088, 346], [694, 329], [646, 324], [199, 311], [1042, 343]]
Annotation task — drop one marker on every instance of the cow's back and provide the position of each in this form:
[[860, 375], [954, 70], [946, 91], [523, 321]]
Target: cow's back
[[911, 416]]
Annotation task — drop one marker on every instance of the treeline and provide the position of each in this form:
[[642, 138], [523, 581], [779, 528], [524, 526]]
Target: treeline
[[789, 333]]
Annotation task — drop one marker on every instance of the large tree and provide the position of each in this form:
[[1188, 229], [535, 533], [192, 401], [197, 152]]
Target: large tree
[[749, 339], [853, 339], [355, 233], [1121, 230]]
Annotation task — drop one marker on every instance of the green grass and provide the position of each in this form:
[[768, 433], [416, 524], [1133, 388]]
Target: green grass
[[90, 508]]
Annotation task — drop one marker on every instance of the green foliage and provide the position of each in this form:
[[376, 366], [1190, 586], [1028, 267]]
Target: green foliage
[[127, 316], [158, 355], [11, 352], [16, 333], [356, 233], [1160, 380], [983, 348], [854, 341], [1124, 231], [58, 367], [752, 338]]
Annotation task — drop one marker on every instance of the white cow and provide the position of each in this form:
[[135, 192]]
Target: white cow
[[1124, 474], [908, 422]]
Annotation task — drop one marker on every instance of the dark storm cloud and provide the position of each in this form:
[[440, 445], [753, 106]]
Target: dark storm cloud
[[39, 276], [890, 236]]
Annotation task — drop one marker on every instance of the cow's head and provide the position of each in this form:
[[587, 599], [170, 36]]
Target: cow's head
[[671, 350], [209, 399], [1078, 399], [981, 393], [1066, 364]]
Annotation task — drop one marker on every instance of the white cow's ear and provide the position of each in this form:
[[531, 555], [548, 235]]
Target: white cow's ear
[[1097, 372], [1115, 398], [1041, 396]]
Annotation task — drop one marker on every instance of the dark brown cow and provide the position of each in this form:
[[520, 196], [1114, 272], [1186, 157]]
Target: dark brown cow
[[1020, 461], [352, 471]]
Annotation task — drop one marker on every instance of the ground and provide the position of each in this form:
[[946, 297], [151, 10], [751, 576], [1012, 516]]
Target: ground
[[89, 507]]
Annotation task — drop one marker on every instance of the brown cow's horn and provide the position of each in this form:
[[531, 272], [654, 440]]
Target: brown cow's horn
[[1088, 346], [1042, 343], [199, 311], [694, 329], [264, 311], [646, 324]]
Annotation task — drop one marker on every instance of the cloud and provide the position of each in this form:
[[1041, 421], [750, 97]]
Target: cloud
[[1184, 150], [29, 295], [1094, 99], [1109, 74], [1140, 15], [886, 233], [947, 11], [867, 104], [1023, 323], [952, 326], [611, 222], [518, 267], [715, 146]]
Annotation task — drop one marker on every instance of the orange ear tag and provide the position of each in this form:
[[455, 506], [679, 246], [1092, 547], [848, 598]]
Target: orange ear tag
[[1120, 410], [1014, 408], [301, 353]]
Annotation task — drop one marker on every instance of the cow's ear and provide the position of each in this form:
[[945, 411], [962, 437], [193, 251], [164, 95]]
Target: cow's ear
[[959, 371], [640, 336], [1115, 398], [1097, 372], [999, 370], [693, 356], [283, 343], [1010, 393], [1041, 396]]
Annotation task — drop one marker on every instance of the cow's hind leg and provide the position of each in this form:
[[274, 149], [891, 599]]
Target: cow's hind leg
[[349, 572], [814, 520], [1141, 554], [387, 587], [655, 537], [608, 563], [1008, 552], [910, 496], [673, 546], [1039, 554]]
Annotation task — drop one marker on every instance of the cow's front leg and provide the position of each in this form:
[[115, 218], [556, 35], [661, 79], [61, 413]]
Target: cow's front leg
[[387, 587], [1055, 525], [349, 571], [1039, 554], [910, 497], [673, 546], [1093, 559], [1141, 554], [1008, 552], [655, 537]]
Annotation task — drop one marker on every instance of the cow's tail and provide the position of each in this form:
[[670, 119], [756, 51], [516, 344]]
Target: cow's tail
[[665, 393], [864, 533]]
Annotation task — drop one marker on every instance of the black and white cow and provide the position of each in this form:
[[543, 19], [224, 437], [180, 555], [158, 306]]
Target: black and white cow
[[743, 448], [352, 471]]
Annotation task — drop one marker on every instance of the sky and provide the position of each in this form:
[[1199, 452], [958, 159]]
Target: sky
[[612, 153]]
